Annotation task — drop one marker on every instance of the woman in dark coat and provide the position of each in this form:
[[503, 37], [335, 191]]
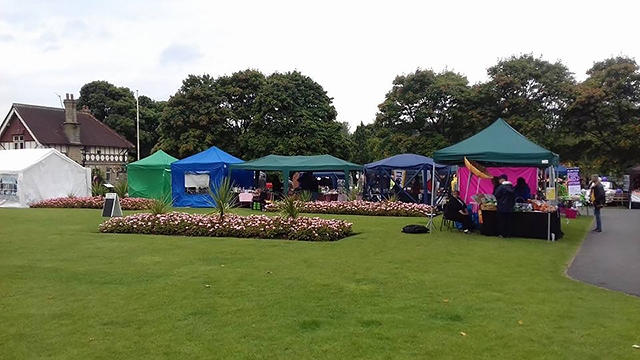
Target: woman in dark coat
[[523, 191], [456, 210]]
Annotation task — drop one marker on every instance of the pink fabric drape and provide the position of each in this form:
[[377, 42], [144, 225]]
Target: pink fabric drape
[[530, 175]]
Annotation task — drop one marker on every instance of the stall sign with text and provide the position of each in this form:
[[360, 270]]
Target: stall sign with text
[[573, 181]]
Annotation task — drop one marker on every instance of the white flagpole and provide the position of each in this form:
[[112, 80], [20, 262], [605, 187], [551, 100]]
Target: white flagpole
[[137, 125]]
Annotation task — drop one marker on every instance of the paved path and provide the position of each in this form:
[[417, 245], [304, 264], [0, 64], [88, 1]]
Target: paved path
[[611, 259]]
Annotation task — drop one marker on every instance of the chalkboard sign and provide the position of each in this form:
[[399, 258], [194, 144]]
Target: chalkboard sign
[[111, 206]]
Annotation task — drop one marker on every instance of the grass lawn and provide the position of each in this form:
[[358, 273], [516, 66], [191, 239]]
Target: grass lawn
[[67, 291]]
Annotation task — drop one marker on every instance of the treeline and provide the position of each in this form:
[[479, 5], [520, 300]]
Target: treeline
[[594, 124]]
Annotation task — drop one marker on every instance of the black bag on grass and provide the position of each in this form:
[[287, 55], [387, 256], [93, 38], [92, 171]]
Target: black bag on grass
[[415, 229]]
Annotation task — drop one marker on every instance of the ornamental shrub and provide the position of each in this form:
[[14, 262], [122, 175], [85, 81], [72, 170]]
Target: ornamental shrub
[[231, 225], [93, 202], [357, 207]]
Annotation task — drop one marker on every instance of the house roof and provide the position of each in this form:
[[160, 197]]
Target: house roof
[[45, 123]]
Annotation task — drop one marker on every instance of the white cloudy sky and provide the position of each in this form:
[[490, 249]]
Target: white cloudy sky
[[354, 49]]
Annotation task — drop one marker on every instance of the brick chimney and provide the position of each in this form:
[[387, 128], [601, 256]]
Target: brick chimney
[[71, 125]]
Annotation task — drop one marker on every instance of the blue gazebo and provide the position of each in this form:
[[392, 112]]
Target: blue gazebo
[[192, 178], [412, 163]]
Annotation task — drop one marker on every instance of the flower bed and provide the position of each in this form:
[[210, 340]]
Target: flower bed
[[253, 226], [359, 207], [94, 202]]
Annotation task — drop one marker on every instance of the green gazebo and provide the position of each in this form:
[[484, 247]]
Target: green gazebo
[[151, 177], [289, 164]]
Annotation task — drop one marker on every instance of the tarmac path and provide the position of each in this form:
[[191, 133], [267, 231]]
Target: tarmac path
[[611, 259]]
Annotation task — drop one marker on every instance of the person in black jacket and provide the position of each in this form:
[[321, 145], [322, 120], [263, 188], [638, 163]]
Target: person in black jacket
[[598, 199], [456, 210], [506, 198], [496, 182]]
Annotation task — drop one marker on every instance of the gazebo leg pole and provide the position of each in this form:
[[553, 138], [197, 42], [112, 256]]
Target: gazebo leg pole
[[549, 227], [424, 185], [466, 192], [285, 175], [433, 184], [347, 190]]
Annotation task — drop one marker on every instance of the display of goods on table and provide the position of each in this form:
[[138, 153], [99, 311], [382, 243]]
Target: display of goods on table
[[523, 207], [486, 201], [542, 206]]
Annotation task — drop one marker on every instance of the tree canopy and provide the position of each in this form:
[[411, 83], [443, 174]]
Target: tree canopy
[[605, 116], [594, 123], [116, 107], [422, 112], [250, 115]]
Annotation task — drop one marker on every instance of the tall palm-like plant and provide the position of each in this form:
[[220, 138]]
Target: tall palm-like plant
[[162, 204], [353, 193], [305, 196], [224, 199], [393, 198], [290, 207], [121, 188], [98, 189]]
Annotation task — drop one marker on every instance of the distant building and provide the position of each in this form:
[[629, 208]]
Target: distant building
[[77, 134]]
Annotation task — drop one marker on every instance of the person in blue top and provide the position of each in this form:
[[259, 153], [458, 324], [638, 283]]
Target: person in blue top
[[523, 192]]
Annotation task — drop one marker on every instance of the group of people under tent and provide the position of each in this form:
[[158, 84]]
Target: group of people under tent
[[298, 182], [380, 186], [507, 195]]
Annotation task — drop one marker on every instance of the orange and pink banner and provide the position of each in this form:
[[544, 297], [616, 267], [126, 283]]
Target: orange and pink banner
[[485, 186]]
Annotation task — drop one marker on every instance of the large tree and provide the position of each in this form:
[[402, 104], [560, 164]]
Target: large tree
[[295, 116], [195, 119], [116, 107], [364, 144], [238, 94], [605, 116], [422, 112], [532, 94]]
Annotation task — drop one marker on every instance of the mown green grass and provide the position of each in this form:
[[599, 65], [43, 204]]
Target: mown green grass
[[69, 292]]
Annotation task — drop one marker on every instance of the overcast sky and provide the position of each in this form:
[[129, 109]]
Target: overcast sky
[[354, 49]]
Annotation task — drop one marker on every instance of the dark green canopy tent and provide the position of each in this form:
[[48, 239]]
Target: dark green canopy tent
[[498, 144], [289, 164], [151, 177]]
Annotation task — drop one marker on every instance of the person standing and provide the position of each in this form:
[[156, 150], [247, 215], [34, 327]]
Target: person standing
[[495, 181], [598, 199], [523, 191], [506, 198], [416, 189]]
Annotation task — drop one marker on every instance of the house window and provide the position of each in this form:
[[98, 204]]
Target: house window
[[18, 141], [108, 174], [196, 183]]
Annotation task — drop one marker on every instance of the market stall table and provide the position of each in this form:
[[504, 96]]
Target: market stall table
[[525, 224]]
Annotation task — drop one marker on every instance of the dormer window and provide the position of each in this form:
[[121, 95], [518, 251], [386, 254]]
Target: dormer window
[[18, 141]]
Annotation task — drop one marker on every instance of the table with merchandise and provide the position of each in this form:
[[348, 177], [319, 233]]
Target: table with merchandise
[[535, 219]]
